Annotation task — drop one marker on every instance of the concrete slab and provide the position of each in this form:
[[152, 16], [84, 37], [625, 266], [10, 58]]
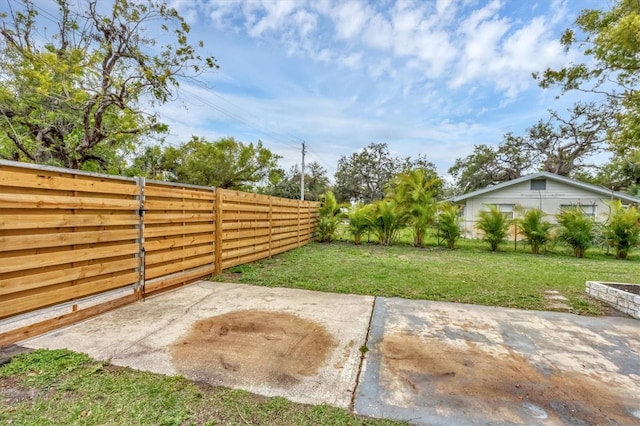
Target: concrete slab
[[446, 363], [298, 344]]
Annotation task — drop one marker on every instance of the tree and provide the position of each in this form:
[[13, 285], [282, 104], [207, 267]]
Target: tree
[[316, 183], [564, 145], [364, 176], [560, 145], [359, 221], [448, 223], [622, 230], [152, 162], [387, 219], [576, 229], [534, 228], [328, 217], [610, 42], [74, 98], [488, 166], [416, 190], [494, 225], [621, 173], [225, 163]]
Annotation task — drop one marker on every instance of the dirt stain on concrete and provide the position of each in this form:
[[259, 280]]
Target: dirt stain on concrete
[[253, 348], [504, 388]]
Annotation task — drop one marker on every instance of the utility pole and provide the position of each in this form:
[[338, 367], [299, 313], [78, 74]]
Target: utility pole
[[302, 173]]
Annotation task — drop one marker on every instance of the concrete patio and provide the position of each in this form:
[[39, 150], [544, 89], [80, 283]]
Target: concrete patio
[[427, 362]]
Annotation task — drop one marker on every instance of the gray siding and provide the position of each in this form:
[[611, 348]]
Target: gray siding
[[549, 201]]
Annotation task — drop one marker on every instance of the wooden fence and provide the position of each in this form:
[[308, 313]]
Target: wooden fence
[[76, 244]]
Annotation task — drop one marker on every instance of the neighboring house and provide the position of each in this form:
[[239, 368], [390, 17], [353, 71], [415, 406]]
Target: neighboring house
[[547, 191]]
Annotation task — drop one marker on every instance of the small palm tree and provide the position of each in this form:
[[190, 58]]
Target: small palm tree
[[415, 191], [622, 230], [387, 219], [494, 225], [534, 228], [329, 217], [576, 229], [449, 223], [359, 221]]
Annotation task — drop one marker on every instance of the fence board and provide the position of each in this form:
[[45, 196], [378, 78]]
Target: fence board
[[33, 241], [164, 231], [179, 253], [178, 205], [167, 191], [175, 242], [166, 269], [62, 202], [170, 281], [23, 178], [65, 220], [153, 217], [30, 302], [33, 281], [40, 260]]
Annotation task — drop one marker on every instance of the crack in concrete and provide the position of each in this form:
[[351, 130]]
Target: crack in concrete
[[363, 354]]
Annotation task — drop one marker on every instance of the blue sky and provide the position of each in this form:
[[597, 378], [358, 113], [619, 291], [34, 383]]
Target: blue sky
[[430, 77]]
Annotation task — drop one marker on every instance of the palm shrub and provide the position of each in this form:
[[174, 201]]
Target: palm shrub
[[448, 223], [328, 217], [535, 229], [494, 225], [359, 221], [576, 230], [622, 230], [387, 219], [415, 191]]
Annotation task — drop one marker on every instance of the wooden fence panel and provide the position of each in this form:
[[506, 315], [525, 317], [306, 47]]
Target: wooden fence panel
[[179, 234], [75, 244], [64, 236], [258, 226]]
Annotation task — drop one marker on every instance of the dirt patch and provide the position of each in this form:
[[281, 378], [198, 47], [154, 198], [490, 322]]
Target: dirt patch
[[629, 288], [504, 387], [253, 348]]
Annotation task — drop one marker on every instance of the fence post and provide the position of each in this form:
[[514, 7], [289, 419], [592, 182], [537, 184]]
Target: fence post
[[218, 227], [270, 224], [141, 181]]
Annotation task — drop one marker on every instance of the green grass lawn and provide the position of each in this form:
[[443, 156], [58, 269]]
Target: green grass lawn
[[63, 388], [469, 274]]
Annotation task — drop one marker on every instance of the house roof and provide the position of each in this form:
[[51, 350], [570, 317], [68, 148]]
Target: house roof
[[552, 176]]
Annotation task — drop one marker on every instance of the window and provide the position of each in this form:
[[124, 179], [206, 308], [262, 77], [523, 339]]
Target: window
[[538, 185], [588, 209], [506, 210]]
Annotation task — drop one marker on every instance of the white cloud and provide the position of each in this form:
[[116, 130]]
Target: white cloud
[[306, 22], [276, 14], [349, 18], [351, 61], [342, 73]]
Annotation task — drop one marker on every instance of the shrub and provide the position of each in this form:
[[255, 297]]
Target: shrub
[[622, 230], [329, 219], [494, 225], [535, 229], [387, 219], [449, 223], [576, 230], [359, 221], [415, 190]]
